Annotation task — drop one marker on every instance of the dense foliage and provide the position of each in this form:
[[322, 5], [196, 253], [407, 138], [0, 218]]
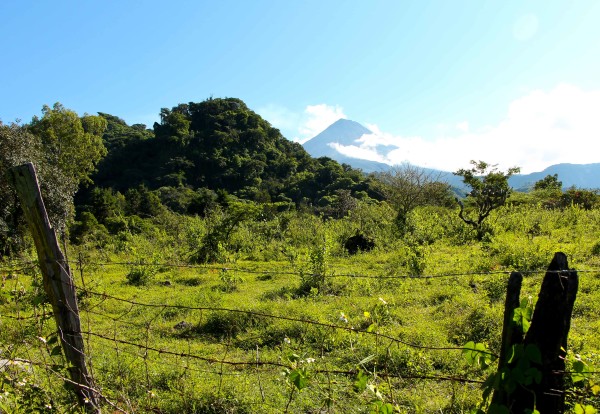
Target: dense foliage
[[64, 148], [199, 150], [488, 190], [437, 286]]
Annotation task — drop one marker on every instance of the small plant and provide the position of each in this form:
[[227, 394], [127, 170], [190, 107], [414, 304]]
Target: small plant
[[313, 276], [296, 375], [229, 280], [377, 403], [378, 315], [142, 271], [583, 386]]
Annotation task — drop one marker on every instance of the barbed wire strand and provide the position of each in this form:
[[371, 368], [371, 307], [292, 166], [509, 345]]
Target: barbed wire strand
[[349, 275], [256, 362], [224, 361], [286, 318]]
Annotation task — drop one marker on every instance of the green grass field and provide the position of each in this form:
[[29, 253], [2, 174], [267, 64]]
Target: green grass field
[[289, 322]]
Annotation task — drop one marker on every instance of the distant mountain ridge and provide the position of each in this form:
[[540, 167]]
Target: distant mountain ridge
[[346, 132]]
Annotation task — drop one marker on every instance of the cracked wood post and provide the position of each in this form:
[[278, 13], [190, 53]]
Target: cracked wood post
[[549, 329], [510, 335], [57, 281]]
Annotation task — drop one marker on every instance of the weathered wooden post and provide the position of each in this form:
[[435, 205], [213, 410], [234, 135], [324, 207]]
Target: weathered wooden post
[[549, 329], [57, 281], [510, 335], [548, 333]]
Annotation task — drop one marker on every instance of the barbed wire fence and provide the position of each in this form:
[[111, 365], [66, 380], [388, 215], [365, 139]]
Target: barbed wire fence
[[126, 353], [126, 335]]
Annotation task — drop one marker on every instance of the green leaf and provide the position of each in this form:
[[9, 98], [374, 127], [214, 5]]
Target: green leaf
[[360, 384], [367, 359], [52, 339], [580, 371], [516, 351], [533, 353], [532, 374], [56, 350], [38, 300], [299, 378], [469, 352], [588, 409], [386, 408]]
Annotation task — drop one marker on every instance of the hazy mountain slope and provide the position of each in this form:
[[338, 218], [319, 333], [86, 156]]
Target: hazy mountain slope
[[345, 132], [578, 175]]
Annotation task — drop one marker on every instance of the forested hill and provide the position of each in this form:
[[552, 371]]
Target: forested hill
[[218, 145]]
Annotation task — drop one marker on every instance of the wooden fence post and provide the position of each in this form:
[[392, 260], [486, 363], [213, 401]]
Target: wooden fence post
[[549, 329], [510, 335], [57, 281], [548, 332]]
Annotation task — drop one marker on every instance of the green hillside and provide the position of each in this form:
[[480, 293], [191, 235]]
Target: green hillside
[[218, 145]]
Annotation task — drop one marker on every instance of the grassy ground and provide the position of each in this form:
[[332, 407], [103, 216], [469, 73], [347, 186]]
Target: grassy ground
[[255, 338]]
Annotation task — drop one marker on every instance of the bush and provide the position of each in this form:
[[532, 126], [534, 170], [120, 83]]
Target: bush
[[141, 273], [89, 230], [521, 253], [227, 324], [583, 198]]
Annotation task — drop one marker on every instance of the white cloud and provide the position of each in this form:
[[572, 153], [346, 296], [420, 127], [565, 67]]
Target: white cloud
[[305, 125], [361, 152], [463, 126], [317, 118], [540, 129]]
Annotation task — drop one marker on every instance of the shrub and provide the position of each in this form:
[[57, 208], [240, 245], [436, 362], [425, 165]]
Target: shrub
[[520, 253], [583, 198], [229, 280], [227, 324], [313, 275], [141, 272]]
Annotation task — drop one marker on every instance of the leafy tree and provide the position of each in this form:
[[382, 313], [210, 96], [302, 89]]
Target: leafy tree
[[118, 134], [407, 186], [72, 143], [213, 244], [549, 182], [17, 146], [105, 203], [64, 149], [489, 191], [143, 202], [586, 199]]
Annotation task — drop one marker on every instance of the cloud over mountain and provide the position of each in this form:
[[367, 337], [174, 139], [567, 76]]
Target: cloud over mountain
[[539, 129]]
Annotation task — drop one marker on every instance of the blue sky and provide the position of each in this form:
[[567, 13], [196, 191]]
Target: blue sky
[[439, 82]]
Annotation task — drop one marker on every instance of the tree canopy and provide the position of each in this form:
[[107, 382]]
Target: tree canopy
[[218, 144], [489, 190], [64, 148], [407, 186]]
